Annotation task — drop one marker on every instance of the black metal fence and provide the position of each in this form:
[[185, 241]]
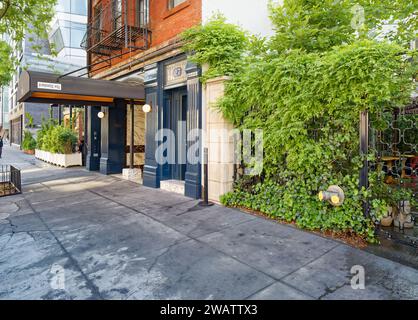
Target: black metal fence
[[392, 139], [10, 181]]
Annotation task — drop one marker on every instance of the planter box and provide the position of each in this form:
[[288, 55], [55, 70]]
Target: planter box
[[62, 160], [29, 152]]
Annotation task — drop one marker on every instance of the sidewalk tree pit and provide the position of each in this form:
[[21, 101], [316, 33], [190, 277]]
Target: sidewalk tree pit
[[307, 97]]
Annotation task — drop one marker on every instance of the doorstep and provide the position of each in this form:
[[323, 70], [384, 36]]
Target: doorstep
[[175, 186], [133, 175]]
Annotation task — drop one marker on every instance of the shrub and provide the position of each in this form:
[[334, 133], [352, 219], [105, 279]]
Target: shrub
[[56, 139], [66, 140], [219, 44], [29, 143]]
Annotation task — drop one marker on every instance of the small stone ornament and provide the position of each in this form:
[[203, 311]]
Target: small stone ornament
[[403, 219], [388, 219]]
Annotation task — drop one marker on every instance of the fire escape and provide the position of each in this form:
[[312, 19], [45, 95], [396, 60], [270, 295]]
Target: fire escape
[[117, 26]]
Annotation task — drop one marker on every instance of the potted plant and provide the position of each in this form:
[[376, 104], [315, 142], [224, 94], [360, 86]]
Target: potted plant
[[29, 143]]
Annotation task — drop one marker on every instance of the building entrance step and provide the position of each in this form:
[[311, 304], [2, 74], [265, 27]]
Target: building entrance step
[[175, 186]]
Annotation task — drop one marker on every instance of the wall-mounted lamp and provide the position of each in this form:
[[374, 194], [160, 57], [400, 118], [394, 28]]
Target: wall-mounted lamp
[[101, 115], [334, 195], [146, 108]]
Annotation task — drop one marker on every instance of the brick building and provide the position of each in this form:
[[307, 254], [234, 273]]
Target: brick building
[[137, 44], [138, 41]]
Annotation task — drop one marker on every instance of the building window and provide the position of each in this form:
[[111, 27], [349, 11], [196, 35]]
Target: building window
[[143, 13], [78, 7], [68, 35], [117, 14], [57, 40], [174, 3], [97, 23], [78, 30]]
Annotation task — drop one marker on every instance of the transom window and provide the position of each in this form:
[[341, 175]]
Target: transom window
[[174, 3]]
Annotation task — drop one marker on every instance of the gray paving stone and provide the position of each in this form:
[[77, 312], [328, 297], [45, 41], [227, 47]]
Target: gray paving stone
[[265, 245], [27, 223], [280, 291], [193, 270], [97, 245], [330, 276], [198, 222]]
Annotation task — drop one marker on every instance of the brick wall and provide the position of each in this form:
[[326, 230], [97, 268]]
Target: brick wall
[[165, 25]]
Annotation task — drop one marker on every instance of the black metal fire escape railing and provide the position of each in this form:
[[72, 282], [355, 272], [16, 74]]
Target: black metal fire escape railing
[[116, 25]]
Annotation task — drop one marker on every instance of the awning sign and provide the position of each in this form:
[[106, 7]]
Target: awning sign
[[50, 86]]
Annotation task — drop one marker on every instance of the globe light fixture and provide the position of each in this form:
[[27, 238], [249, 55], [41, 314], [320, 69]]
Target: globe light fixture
[[146, 108], [101, 115]]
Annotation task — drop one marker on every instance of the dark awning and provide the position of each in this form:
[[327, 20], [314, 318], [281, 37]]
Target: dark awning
[[48, 88]]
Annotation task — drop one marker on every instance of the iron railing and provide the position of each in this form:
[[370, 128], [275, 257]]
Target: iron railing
[[393, 140], [10, 181], [117, 25]]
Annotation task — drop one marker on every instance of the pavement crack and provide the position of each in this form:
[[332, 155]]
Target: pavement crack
[[332, 290], [309, 262], [8, 241], [31, 235], [260, 290], [46, 186], [13, 226], [13, 232], [167, 250]]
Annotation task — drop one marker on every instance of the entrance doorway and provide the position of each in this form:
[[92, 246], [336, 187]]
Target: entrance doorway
[[175, 111]]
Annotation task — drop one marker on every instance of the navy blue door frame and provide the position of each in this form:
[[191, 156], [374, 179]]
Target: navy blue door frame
[[113, 127], [174, 112], [93, 141], [155, 96], [193, 187]]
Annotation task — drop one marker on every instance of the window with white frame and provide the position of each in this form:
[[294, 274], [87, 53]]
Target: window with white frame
[[174, 3]]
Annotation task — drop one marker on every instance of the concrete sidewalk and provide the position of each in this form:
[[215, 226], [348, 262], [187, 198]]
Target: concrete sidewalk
[[79, 235]]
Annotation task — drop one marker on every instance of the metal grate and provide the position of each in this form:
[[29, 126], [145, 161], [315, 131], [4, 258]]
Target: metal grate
[[10, 181]]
